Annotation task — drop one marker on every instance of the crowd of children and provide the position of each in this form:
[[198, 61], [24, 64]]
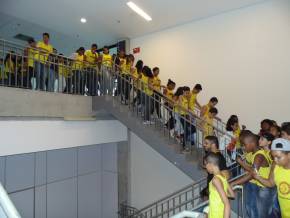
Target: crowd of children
[[87, 72], [265, 159]]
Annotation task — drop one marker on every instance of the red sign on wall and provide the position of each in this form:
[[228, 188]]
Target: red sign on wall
[[136, 50]]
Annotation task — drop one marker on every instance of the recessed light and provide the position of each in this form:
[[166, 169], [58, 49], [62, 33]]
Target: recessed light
[[139, 11], [83, 20]]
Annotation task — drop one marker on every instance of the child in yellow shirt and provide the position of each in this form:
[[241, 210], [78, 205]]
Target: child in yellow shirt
[[219, 189]]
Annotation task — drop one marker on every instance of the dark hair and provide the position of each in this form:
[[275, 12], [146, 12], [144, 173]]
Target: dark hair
[[94, 45], [213, 110], [45, 34], [186, 88], [268, 136], [278, 128], [107, 47], [212, 158], [213, 139], [286, 127], [31, 40], [130, 56], [139, 66], [268, 121], [253, 137], [179, 91], [147, 71], [198, 87], [231, 121], [214, 99], [81, 49], [170, 82], [155, 68]]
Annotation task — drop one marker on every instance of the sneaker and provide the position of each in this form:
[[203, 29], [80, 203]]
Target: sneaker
[[146, 122]]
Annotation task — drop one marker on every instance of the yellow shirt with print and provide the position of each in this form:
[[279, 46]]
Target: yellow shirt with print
[[43, 52], [282, 181]]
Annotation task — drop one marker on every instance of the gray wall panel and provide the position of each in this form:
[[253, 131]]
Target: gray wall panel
[[62, 199], [40, 168], [110, 195], [23, 201], [19, 172], [109, 157], [67, 183], [89, 196], [89, 159], [40, 202], [2, 170], [61, 164]]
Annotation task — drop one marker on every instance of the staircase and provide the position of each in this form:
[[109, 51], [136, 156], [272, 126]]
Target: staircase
[[112, 98]]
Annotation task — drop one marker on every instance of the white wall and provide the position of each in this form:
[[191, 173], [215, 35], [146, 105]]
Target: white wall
[[242, 57], [19, 137], [152, 177]]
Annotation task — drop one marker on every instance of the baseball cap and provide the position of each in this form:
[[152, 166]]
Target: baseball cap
[[268, 136], [280, 145]]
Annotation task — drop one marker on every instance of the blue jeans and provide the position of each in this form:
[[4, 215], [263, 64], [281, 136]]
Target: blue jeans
[[251, 197], [50, 80], [41, 73], [265, 201]]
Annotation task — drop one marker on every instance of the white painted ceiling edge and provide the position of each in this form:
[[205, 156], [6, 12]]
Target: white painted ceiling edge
[[111, 20]]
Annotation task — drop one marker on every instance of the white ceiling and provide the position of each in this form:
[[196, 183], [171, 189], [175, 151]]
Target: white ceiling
[[110, 20]]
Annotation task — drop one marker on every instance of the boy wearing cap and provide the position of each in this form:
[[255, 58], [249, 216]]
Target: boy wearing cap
[[280, 174]]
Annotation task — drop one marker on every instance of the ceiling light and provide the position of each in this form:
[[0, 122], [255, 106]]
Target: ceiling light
[[139, 11], [83, 20]]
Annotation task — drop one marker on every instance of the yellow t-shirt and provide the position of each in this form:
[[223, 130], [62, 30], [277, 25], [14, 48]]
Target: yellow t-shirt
[[31, 55], [135, 76], [63, 70], [127, 69], [3, 74], [264, 172], [208, 126], [91, 58], [216, 205], [122, 64], [156, 83], [45, 50], [78, 62], [9, 67], [169, 94], [145, 85], [107, 60], [192, 101], [282, 181], [237, 134], [184, 105], [207, 110]]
